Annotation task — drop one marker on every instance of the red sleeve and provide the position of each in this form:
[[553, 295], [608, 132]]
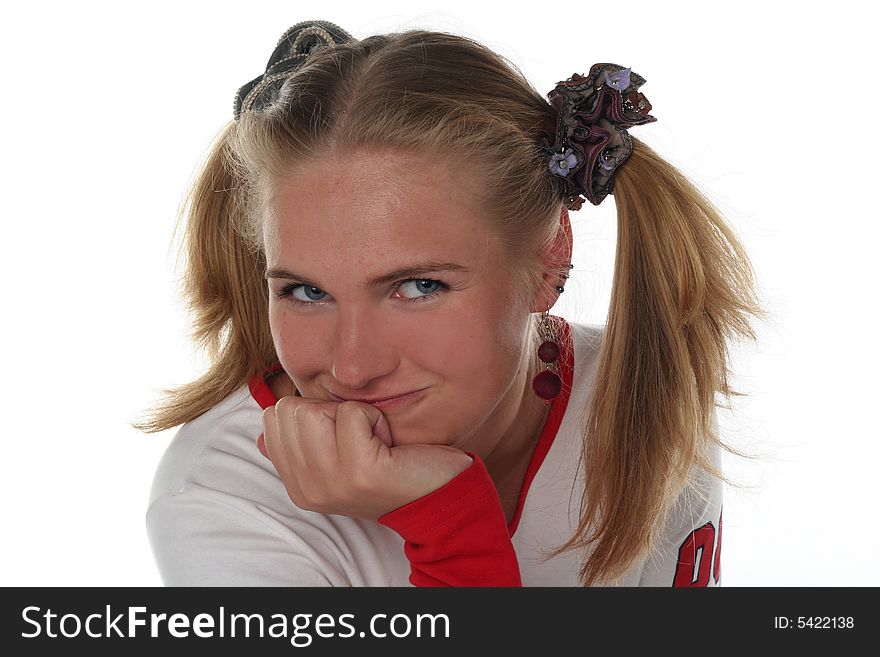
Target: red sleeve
[[457, 535]]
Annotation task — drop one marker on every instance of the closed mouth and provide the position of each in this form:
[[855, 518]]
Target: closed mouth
[[376, 401]]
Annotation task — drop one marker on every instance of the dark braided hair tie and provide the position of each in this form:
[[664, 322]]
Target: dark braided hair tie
[[293, 49]]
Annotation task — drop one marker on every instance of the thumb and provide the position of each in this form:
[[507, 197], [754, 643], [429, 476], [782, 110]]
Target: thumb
[[381, 428], [352, 418]]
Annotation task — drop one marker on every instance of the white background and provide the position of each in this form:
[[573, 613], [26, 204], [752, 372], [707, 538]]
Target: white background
[[109, 107]]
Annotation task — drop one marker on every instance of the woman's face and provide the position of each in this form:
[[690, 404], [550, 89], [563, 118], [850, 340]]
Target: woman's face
[[383, 280]]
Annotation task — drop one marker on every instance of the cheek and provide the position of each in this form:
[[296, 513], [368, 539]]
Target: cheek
[[298, 356], [475, 348], [279, 325]]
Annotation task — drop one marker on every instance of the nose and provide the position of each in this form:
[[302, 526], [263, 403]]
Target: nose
[[363, 350]]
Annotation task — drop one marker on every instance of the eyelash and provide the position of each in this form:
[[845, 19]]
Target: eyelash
[[286, 292]]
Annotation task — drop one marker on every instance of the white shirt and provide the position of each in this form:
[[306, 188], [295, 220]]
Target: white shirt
[[219, 515]]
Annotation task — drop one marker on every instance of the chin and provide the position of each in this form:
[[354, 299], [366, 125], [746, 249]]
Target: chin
[[413, 433]]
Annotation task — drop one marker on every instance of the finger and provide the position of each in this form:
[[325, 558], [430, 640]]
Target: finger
[[286, 431], [309, 433], [381, 428], [354, 435], [277, 452], [261, 446], [271, 441], [378, 423], [316, 436]]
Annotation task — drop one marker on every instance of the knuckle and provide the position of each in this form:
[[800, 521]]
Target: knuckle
[[284, 402], [269, 413], [349, 406], [286, 407]]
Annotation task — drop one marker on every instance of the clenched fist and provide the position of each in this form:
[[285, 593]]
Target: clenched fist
[[338, 457]]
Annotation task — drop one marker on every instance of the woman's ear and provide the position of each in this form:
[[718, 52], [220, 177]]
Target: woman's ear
[[555, 260]]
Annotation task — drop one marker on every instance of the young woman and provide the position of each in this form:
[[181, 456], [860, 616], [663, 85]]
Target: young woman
[[373, 248]]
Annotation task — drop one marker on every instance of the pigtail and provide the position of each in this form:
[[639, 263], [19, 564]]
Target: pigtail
[[224, 291], [683, 286]]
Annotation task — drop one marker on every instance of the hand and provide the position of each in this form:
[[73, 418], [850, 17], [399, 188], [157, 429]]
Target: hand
[[338, 457]]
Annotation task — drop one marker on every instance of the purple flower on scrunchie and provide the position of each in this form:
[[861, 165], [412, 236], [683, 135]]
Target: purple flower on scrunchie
[[618, 80], [607, 162], [562, 163]]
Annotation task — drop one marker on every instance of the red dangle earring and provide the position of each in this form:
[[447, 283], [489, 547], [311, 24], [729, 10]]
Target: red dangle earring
[[547, 384]]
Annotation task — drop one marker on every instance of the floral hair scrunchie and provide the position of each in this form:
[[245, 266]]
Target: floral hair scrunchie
[[591, 137]]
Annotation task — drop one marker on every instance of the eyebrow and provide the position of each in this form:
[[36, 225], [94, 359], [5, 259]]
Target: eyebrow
[[409, 271]]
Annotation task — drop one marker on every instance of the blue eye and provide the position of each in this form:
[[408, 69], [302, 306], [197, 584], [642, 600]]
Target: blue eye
[[434, 289], [308, 290], [422, 282]]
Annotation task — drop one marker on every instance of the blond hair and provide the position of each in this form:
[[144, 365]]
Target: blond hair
[[683, 285]]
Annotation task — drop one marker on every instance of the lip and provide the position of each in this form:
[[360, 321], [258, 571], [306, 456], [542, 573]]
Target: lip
[[391, 402]]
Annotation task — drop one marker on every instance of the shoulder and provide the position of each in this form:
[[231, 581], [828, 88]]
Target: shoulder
[[586, 343], [587, 332], [586, 338], [219, 515], [216, 451]]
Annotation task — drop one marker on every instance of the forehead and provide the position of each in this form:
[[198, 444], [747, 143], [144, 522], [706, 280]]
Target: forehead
[[375, 206]]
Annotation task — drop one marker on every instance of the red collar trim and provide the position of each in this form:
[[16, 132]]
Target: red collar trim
[[264, 396], [260, 390]]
